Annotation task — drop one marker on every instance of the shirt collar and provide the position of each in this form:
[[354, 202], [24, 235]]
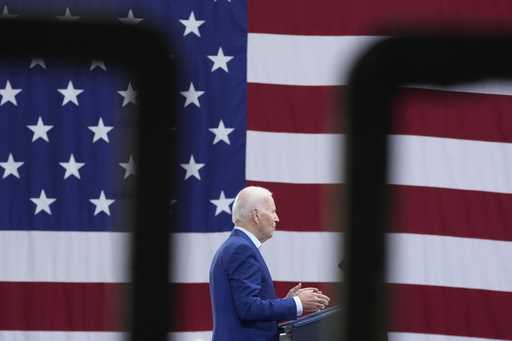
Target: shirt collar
[[251, 236]]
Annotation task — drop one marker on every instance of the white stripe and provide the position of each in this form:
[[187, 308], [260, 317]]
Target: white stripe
[[7, 335], [291, 256], [313, 256], [326, 60], [294, 157], [450, 261], [192, 336], [396, 336], [304, 256], [451, 163], [34, 256], [416, 161], [44, 256], [193, 254], [493, 87], [92, 336], [392, 336], [302, 60]]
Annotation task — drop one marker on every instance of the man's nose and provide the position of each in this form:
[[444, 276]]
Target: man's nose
[[276, 219]]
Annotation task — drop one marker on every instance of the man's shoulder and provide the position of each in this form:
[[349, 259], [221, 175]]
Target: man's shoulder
[[235, 245], [236, 242]]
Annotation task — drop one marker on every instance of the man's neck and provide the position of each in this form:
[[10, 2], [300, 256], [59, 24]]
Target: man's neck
[[251, 234], [249, 228]]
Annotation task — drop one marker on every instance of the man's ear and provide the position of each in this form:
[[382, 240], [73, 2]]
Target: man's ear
[[256, 215]]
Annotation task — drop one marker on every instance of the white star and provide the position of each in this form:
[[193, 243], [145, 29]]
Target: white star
[[220, 61], [221, 133], [222, 204], [192, 168], [67, 16], [192, 96], [100, 131], [70, 94], [37, 62], [192, 25], [102, 204], [43, 203], [130, 19], [72, 167], [98, 63], [129, 95], [40, 130], [9, 94], [11, 167], [6, 14], [129, 167]]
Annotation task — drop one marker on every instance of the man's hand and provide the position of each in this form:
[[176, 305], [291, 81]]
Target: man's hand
[[293, 291], [298, 289], [312, 301]]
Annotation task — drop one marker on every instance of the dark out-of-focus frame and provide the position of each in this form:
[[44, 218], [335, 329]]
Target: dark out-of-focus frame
[[420, 58], [144, 56]]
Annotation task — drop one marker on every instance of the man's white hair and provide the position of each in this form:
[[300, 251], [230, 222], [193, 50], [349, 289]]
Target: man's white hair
[[246, 200]]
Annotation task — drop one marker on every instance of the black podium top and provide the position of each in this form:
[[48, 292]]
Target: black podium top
[[311, 318]]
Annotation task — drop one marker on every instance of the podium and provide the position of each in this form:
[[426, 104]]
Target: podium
[[324, 325]]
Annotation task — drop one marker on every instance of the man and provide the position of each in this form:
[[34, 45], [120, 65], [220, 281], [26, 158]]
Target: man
[[244, 303]]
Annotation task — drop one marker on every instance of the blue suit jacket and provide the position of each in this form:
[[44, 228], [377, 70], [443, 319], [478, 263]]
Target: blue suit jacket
[[244, 303]]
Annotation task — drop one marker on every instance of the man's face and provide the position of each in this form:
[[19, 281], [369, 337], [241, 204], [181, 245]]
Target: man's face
[[267, 218]]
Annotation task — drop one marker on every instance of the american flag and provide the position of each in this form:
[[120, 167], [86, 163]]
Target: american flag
[[260, 85]]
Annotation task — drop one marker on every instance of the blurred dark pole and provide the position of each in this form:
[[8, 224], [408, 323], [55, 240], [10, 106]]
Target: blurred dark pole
[[422, 58], [144, 56], [151, 304], [364, 266]]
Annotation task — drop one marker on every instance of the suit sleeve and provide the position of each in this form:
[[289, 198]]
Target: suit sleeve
[[245, 281]]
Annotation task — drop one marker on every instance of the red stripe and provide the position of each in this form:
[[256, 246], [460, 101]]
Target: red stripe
[[193, 303], [60, 306], [454, 115], [363, 17], [450, 212], [298, 109], [305, 207], [425, 210], [451, 311], [97, 306], [90, 307], [193, 307], [312, 109], [415, 308]]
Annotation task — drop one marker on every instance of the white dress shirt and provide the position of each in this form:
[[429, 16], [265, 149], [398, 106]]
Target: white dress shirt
[[257, 243]]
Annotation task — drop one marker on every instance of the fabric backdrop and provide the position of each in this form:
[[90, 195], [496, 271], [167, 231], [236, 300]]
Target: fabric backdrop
[[260, 87]]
